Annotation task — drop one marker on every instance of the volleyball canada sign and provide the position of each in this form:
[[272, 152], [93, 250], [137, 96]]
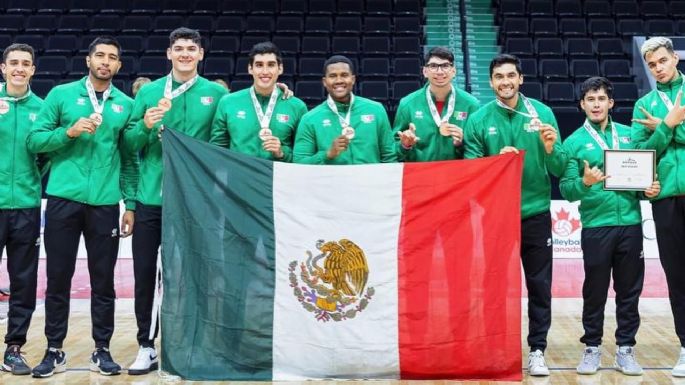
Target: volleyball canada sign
[[566, 229]]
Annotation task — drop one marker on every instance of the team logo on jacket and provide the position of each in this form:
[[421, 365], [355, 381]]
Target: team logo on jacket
[[418, 114], [117, 108], [492, 131], [81, 101], [206, 100], [32, 116], [589, 146], [368, 118], [326, 122], [282, 118], [4, 107], [461, 115], [564, 224], [624, 139], [334, 281], [240, 114]]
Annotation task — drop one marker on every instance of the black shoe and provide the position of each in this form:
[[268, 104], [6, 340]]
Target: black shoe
[[101, 361], [54, 361], [15, 362]]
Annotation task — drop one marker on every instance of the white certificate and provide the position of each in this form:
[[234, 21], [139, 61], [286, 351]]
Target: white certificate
[[629, 169]]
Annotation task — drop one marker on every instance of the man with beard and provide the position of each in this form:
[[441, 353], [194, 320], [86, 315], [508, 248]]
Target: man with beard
[[510, 123], [429, 122], [256, 121], [658, 125], [612, 229], [185, 101], [345, 129], [19, 198], [81, 127]]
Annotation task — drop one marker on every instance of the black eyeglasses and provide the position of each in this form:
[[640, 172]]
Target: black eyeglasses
[[434, 67]]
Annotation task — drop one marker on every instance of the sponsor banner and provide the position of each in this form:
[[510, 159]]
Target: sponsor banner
[[566, 229]]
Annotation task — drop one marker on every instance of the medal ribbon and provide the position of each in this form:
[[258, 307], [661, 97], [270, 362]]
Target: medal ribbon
[[12, 98], [593, 133], [264, 117], [97, 107], [664, 97], [344, 120], [169, 94], [434, 110], [532, 113]]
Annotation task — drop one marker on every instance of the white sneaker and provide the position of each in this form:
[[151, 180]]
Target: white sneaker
[[589, 363], [536, 364], [625, 361], [145, 362], [679, 368]]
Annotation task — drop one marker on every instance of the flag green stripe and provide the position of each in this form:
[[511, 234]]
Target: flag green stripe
[[218, 257]]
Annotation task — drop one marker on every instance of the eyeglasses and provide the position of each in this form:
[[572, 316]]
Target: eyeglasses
[[434, 67]]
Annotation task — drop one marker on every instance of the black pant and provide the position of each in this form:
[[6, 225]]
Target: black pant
[[147, 236], [669, 220], [617, 248], [65, 221], [20, 232], [536, 256]]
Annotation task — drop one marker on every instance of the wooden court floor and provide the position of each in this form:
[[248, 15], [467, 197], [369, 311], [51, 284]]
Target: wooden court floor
[[657, 350]]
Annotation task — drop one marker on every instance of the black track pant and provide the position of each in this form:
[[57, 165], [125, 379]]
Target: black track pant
[[536, 256], [65, 221], [20, 234], [607, 250], [147, 235], [669, 220]]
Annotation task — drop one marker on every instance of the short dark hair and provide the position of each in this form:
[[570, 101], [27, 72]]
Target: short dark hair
[[597, 83], [440, 52], [264, 48], [18, 47], [338, 59], [505, 58], [107, 40], [185, 33]]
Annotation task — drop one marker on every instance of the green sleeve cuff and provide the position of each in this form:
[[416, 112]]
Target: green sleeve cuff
[[130, 205]]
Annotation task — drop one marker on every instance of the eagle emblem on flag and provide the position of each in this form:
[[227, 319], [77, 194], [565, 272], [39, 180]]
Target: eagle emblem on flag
[[333, 282]]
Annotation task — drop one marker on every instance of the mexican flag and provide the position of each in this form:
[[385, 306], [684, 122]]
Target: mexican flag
[[276, 271]]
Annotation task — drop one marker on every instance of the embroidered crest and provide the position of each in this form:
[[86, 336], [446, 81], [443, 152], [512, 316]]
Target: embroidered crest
[[81, 101], [118, 108], [368, 118], [492, 131], [624, 139], [326, 122], [240, 115], [337, 290], [418, 114], [461, 115], [589, 146], [282, 118], [206, 100], [32, 116]]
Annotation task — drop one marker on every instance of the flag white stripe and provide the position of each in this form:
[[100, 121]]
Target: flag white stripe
[[360, 203]]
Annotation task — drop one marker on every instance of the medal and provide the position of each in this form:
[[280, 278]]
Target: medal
[[264, 117], [96, 118], [441, 122], [164, 104], [4, 107], [348, 132], [535, 124], [344, 120], [598, 139], [445, 129], [265, 133]]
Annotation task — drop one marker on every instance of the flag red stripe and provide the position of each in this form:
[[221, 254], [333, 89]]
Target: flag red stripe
[[459, 278]]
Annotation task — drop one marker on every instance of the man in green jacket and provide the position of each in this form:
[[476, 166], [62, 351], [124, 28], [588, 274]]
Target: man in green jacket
[[658, 125], [429, 122], [256, 121], [185, 101], [81, 127], [510, 123], [345, 129], [19, 198], [612, 229]]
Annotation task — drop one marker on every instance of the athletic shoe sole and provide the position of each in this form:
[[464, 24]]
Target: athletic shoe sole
[[57, 369], [138, 372], [95, 368], [627, 373], [6, 368]]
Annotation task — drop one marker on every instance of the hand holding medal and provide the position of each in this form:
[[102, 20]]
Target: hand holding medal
[[96, 118], [348, 132], [265, 133]]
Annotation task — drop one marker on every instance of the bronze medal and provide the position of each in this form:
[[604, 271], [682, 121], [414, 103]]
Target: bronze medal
[[348, 132], [164, 104], [445, 129], [4, 107], [535, 124], [265, 133], [96, 118]]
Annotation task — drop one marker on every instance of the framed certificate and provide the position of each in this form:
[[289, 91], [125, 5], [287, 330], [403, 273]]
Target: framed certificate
[[629, 169]]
